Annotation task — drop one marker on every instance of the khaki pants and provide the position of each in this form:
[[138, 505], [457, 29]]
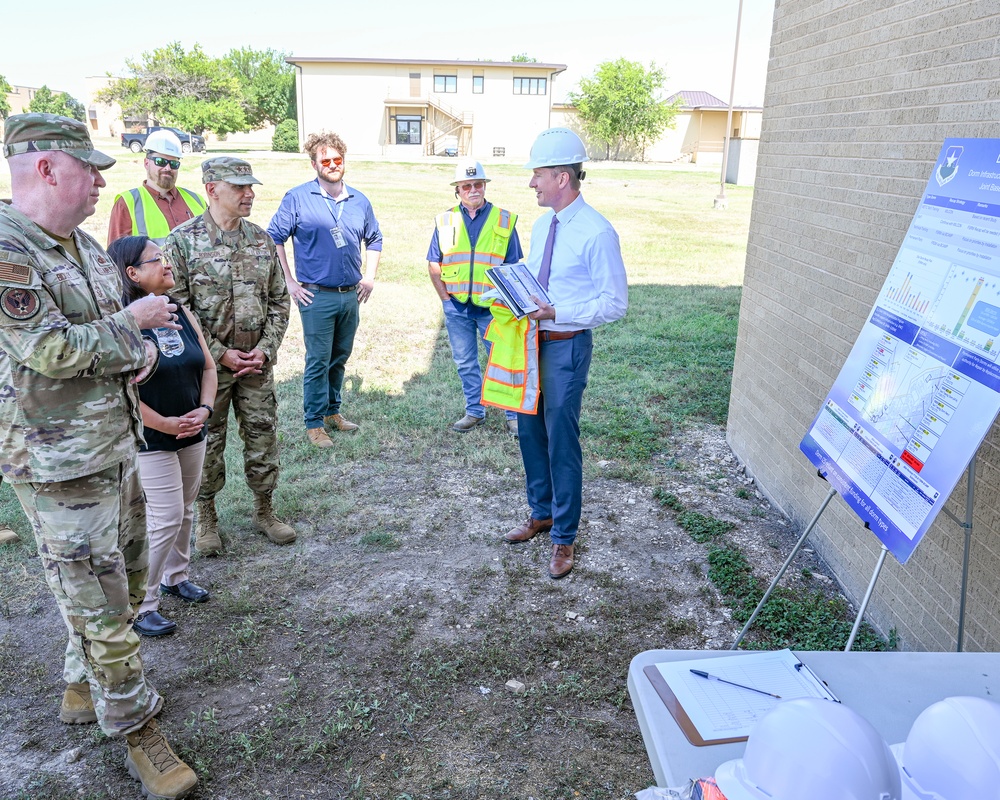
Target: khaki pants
[[171, 480]]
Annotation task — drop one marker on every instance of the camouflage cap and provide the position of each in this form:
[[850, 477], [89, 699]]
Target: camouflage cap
[[35, 133], [228, 169]]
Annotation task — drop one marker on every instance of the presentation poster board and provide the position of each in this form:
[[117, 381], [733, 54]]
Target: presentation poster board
[[921, 387]]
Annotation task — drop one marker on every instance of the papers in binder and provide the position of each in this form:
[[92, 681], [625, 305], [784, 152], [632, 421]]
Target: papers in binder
[[711, 711], [514, 287]]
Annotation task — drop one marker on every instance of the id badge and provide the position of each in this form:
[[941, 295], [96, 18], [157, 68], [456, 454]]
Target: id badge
[[338, 237]]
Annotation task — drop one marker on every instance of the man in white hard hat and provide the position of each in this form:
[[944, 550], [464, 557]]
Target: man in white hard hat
[[576, 256], [157, 206], [467, 240]]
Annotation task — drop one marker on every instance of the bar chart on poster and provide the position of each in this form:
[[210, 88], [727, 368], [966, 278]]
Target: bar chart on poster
[[921, 386]]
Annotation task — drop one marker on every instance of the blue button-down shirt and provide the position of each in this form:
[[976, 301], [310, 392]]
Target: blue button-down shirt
[[307, 215], [474, 226]]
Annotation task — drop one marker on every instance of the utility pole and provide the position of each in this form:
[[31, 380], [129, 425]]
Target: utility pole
[[720, 201]]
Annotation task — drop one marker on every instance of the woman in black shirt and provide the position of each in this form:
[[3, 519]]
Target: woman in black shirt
[[176, 402]]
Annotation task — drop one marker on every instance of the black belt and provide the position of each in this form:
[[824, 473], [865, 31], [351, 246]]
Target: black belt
[[557, 336], [317, 288]]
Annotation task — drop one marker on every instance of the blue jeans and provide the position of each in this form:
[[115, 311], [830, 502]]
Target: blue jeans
[[328, 327], [550, 439], [466, 328]]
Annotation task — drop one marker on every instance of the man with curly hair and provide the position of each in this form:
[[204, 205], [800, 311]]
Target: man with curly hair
[[328, 221]]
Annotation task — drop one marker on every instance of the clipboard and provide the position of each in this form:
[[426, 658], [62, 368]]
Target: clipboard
[[723, 711], [678, 713]]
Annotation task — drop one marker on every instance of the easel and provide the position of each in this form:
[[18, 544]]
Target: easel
[[966, 524]]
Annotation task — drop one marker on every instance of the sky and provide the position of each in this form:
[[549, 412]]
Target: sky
[[693, 42]]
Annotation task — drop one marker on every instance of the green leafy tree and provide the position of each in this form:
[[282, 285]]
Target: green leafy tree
[[187, 89], [524, 58], [46, 101], [267, 85], [5, 89], [619, 105], [286, 137]]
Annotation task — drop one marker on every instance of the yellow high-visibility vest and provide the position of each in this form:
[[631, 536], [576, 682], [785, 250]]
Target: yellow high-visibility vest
[[147, 219], [463, 270], [512, 379]]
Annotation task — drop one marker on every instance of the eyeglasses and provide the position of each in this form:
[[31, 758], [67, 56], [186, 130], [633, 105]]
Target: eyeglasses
[[157, 260], [468, 187], [175, 163], [328, 161]]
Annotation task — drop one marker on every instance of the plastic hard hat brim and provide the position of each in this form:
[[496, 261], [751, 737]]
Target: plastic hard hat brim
[[909, 793], [731, 778]]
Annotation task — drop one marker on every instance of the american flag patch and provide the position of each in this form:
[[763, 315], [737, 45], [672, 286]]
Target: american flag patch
[[14, 273]]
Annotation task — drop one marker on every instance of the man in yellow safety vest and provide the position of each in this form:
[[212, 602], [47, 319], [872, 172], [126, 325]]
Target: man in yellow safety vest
[[157, 206], [467, 240]]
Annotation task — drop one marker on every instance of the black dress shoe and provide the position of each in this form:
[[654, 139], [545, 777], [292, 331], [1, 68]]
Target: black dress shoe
[[152, 623], [185, 590]]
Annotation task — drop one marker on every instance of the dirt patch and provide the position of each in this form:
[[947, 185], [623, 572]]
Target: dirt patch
[[370, 659]]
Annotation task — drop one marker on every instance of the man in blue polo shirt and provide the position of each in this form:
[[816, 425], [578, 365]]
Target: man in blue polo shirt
[[328, 221]]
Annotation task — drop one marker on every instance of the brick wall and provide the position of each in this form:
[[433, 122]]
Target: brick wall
[[860, 95]]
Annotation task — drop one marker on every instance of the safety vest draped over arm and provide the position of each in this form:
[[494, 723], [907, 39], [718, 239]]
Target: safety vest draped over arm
[[512, 380]]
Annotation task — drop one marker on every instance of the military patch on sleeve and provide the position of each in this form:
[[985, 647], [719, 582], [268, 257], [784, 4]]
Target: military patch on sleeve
[[14, 273], [19, 304]]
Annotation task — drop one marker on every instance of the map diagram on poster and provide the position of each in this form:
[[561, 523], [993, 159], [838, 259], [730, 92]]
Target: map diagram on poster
[[921, 386]]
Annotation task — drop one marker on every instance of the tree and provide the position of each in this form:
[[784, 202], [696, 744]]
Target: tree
[[619, 105], [46, 101], [523, 58], [5, 89], [267, 85], [190, 90]]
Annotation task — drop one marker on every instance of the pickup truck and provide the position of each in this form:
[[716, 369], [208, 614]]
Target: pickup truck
[[136, 141]]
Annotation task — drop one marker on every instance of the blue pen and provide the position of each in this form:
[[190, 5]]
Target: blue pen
[[705, 675]]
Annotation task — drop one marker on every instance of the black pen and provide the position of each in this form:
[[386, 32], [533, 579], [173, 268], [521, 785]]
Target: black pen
[[705, 675]]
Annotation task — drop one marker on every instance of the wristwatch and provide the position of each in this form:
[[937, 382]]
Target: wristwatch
[[211, 410]]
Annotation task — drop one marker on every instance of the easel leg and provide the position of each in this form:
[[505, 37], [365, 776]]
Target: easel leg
[[784, 567], [868, 596]]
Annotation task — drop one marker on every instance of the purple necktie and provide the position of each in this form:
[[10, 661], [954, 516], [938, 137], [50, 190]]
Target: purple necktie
[[543, 273]]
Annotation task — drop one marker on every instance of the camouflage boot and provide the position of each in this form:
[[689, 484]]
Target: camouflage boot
[[152, 762], [77, 706], [263, 517], [207, 541]]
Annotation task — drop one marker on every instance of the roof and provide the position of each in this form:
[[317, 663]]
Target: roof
[[697, 100], [427, 61]]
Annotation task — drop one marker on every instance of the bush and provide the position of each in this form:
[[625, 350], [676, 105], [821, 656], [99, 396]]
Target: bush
[[286, 137]]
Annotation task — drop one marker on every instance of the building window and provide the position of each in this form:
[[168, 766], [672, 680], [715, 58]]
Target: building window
[[446, 83], [477, 84], [408, 130], [529, 85]]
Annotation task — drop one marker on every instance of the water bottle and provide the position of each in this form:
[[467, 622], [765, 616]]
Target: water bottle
[[170, 342]]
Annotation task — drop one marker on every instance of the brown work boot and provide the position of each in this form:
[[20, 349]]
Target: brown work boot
[[467, 423], [77, 706], [268, 524], [341, 424], [319, 437], [151, 761], [528, 530], [562, 561], [7, 536], [207, 540]]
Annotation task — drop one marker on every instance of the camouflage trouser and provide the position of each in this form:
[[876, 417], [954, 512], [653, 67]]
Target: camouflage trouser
[[255, 405], [91, 536]]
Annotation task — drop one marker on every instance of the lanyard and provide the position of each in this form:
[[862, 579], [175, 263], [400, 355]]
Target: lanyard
[[339, 206]]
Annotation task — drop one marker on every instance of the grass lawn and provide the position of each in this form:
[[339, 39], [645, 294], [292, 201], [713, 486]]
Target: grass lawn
[[368, 660]]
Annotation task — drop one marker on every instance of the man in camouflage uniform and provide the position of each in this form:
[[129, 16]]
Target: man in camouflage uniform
[[70, 427], [227, 273]]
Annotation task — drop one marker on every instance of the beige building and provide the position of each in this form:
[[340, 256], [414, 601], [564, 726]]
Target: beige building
[[697, 135], [415, 108], [859, 98], [103, 119]]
